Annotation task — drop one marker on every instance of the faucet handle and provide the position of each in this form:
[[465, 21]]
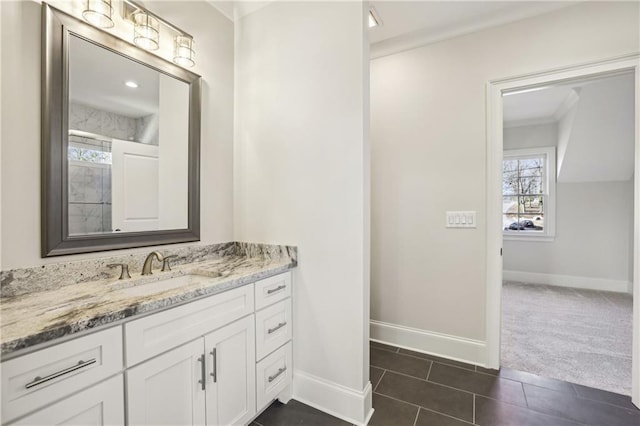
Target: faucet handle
[[165, 262], [124, 272]]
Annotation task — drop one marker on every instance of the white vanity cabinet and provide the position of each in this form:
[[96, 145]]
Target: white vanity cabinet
[[216, 361], [207, 381]]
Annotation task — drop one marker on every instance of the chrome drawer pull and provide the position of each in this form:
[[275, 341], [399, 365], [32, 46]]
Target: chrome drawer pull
[[40, 380], [275, 376], [273, 290], [203, 372], [214, 373], [277, 327]]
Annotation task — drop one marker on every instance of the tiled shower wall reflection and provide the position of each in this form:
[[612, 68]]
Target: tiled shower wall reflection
[[92, 120], [89, 198]]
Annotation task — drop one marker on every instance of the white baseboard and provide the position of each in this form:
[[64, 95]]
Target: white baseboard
[[340, 401], [587, 283], [443, 345]]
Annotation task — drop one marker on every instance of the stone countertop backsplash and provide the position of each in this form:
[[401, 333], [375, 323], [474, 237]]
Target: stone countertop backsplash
[[44, 303]]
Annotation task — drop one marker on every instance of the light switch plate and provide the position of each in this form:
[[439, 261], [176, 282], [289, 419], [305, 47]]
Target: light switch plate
[[458, 219]]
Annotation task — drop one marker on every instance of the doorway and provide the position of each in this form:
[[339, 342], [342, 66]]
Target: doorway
[[542, 221], [567, 231]]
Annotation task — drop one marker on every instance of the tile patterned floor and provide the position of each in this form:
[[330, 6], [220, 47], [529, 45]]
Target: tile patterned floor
[[414, 389]]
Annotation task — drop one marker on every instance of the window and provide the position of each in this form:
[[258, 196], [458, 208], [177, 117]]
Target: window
[[528, 193]]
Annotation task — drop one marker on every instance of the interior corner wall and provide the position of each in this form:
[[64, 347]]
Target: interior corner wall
[[301, 178], [20, 137], [428, 137], [593, 229]]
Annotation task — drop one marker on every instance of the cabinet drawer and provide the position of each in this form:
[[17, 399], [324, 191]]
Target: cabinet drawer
[[39, 378], [273, 375], [160, 332], [100, 405], [272, 290], [273, 328]]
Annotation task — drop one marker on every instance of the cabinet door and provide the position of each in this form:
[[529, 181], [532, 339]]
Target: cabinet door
[[168, 389], [231, 394], [100, 405]]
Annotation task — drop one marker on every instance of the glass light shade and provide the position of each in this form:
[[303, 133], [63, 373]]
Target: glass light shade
[[183, 53], [98, 13], [146, 31]]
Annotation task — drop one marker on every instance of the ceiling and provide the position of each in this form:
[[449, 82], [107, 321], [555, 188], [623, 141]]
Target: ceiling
[[99, 75], [535, 107], [409, 24], [548, 104], [236, 9]]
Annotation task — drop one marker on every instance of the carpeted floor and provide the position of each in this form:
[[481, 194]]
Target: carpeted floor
[[581, 336]]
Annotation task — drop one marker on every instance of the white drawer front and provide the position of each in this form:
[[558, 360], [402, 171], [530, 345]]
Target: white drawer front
[[100, 405], [273, 328], [272, 290], [39, 378], [273, 375], [158, 333]]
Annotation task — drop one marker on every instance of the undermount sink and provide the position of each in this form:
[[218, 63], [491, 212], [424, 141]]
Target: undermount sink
[[167, 284]]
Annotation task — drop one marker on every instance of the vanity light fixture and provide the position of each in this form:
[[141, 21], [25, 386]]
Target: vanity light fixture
[[131, 84], [183, 52], [98, 13], [147, 27], [146, 31]]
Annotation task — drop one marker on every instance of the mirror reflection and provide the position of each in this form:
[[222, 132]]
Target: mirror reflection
[[128, 144]]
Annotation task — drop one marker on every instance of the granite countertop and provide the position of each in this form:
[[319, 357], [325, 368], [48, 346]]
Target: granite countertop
[[35, 318]]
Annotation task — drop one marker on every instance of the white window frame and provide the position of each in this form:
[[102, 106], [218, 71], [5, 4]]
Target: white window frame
[[549, 232]]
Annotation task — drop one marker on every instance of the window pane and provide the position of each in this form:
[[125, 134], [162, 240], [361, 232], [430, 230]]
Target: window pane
[[509, 223], [530, 205], [510, 206], [531, 167], [510, 184], [532, 222], [509, 166], [531, 185], [510, 177]]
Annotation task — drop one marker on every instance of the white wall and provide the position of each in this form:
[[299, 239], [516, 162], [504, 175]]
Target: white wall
[[593, 235], [20, 71], [428, 155], [524, 137], [604, 117], [594, 223], [301, 178]]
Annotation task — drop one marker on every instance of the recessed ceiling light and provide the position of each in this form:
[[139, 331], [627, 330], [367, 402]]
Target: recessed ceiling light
[[374, 19], [131, 84]]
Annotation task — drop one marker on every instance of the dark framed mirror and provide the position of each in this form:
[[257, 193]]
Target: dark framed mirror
[[120, 143]]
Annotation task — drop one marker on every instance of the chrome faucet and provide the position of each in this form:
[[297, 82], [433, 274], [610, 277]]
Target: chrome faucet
[[148, 262]]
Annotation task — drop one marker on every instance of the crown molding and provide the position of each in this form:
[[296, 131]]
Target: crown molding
[[423, 37]]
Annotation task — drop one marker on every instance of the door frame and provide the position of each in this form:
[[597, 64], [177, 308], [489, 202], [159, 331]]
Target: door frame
[[494, 90]]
